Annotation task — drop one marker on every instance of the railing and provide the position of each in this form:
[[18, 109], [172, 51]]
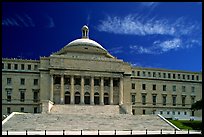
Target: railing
[[99, 132]]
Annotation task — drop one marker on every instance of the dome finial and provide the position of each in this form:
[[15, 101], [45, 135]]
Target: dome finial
[[85, 31]]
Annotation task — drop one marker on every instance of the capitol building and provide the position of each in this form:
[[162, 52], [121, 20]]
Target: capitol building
[[85, 73]]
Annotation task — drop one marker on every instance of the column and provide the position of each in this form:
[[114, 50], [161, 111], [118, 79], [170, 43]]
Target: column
[[111, 92], [101, 92], [121, 91], [92, 91], [82, 90], [72, 90], [51, 87], [62, 90]]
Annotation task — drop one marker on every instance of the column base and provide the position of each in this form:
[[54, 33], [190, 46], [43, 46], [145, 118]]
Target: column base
[[92, 103], [101, 103], [82, 103], [72, 103]]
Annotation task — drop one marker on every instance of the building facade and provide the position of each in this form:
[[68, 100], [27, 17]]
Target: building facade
[[85, 73]]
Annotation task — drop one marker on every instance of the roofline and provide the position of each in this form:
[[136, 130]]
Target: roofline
[[161, 69]]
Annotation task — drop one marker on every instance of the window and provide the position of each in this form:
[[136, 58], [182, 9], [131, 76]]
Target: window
[[161, 112], [173, 112], [115, 83], [133, 99], [22, 81], [154, 87], [185, 113], [143, 112], [96, 82], [9, 66], [8, 95], [169, 75], [138, 73], [168, 112], [149, 74], [154, 74], [35, 96], [9, 81], [164, 100], [174, 76], [8, 110], [144, 99], [143, 73], [133, 85], [197, 77], [35, 67], [35, 82], [22, 67], [184, 76], [22, 95], [192, 99], [174, 88], [183, 100], [193, 89], [192, 77], [183, 89], [67, 81], [15, 66], [179, 76], [188, 77], [192, 113], [106, 82], [178, 112], [22, 109], [133, 73], [57, 80], [154, 99], [143, 87], [87, 81], [174, 100], [164, 87], [35, 110], [2, 65], [29, 67], [77, 81], [133, 111], [159, 74], [164, 75]]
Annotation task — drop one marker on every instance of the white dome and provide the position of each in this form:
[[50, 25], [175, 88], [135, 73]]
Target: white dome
[[85, 42]]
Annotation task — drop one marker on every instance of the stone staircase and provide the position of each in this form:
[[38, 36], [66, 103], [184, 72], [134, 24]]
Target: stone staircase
[[74, 122], [84, 117], [85, 109]]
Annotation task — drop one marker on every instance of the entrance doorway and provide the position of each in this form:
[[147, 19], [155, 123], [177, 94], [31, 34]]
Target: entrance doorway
[[106, 99], [77, 98], [67, 97], [87, 98], [96, 98]]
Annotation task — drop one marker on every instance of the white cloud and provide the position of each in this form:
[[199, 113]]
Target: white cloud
[[149, 5], [141, 50], [116, 50], [88, 19], [158, 47], [22, 20], [30, 20], [135, 25], [178, 34], [51, 23], [25, 21], [168, 45]]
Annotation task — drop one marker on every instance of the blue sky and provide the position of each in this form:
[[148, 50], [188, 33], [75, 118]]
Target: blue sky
[[164, 35]]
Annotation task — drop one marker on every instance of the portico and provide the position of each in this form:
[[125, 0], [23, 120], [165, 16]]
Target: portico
[[75, 89]]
